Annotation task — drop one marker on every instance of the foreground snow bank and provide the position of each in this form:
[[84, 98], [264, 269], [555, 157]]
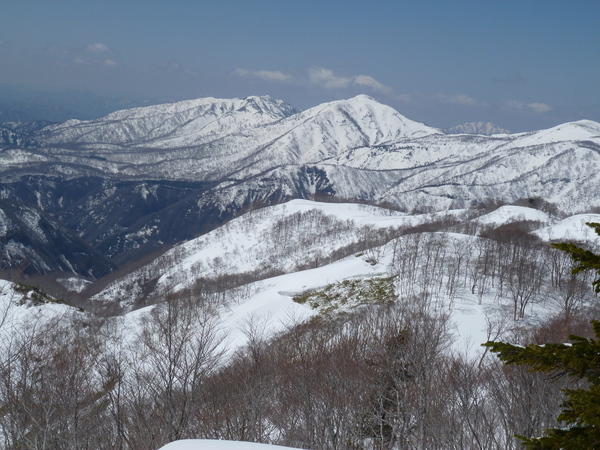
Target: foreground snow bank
[[202, 444]]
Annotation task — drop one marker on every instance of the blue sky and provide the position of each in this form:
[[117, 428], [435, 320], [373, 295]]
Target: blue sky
[[523, 65]]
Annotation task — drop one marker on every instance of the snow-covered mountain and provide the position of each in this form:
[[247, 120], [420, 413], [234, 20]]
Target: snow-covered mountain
[[137, 180], [205, 213], [484, 128], [363, 149], [33, 242], [191, 122], [280, 239], [211, 139], [301, 235]]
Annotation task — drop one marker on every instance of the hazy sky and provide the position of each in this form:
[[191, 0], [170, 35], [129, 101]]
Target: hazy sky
[[523, 65]]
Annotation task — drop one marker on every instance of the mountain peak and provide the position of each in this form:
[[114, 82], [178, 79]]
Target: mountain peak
[[370, 114], [482, 128], [363, 98], [269, 105], [581, 130], [171, 121]]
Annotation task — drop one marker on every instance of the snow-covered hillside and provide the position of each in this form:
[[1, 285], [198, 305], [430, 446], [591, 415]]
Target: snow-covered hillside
[[323, 268], [200, 444], [294, 242], [303, 246], [357, 142], [292, 236], [572, 228], [23, 306]]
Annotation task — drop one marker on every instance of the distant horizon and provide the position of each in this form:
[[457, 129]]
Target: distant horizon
[[136, 102], [522, 65]]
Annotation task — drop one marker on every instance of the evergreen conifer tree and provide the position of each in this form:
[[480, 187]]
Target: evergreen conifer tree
[[579, 359], [587, 260]]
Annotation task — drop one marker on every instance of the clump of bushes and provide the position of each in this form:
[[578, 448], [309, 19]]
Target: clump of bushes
[[349, 293]]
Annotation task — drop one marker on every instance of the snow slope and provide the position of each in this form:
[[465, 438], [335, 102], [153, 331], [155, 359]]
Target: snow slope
[[364, 149], [20, 307], [270, 301], [281, 238], [572, 228], [205, 444], [248, 242], [510, 213]]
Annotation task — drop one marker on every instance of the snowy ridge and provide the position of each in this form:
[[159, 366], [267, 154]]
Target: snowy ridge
[[300, 235], [248, 242], [364, 150], [259, 238], [581, 130], [510, 213], [176, 123], [279, 239], [572, 228], [484, 128]]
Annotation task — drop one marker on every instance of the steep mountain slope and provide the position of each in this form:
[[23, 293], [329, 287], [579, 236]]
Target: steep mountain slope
[[34, 242], [233, 142], [284, 238], [137, 180], [191, 122]]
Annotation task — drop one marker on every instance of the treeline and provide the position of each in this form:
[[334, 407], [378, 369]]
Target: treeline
[[379, 377]]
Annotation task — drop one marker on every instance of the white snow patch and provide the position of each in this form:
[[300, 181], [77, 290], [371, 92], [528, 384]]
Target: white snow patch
[[572, 228], [510, 213], [205, 444]]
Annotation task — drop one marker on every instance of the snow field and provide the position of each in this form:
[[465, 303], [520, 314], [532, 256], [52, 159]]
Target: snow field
[[207, 444], [241, 245]]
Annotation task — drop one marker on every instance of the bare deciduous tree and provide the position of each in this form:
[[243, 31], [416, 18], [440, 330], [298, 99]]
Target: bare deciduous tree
[[178, 347]]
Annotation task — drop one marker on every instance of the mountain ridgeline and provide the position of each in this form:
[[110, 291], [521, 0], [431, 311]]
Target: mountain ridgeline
[[140, 180]]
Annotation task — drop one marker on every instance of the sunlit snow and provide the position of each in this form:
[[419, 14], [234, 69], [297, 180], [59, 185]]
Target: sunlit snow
[[202, 444]]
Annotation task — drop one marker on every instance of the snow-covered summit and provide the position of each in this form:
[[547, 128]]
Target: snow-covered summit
[[581, 130], [359, 147], [381, 123], [171, 121], [484, 128]]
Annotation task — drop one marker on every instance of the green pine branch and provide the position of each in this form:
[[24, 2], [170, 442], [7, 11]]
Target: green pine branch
[[587, 260]]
